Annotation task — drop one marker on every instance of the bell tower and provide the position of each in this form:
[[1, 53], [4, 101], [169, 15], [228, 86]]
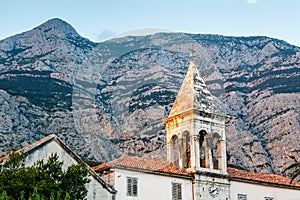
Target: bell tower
[[196, 139]]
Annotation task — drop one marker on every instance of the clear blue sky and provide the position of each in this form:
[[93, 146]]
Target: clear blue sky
[[100, 19]]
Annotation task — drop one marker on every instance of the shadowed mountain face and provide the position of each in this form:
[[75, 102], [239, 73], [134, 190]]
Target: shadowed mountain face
[[108, 99]]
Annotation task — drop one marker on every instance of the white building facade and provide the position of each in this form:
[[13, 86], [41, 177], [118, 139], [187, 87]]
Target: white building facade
[[240, 190], [146, 190], [146, 179]]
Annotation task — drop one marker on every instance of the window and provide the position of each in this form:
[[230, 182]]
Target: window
[[132, 186], [176, 191], [242, 197], [269, 198]]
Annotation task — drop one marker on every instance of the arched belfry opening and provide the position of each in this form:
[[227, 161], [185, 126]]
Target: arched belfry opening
[[179, 149], [175, 151], [202, 147], [186, 150], [216, 154]]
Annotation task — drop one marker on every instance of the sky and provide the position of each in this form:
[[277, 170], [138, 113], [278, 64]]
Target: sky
[[99, 20]]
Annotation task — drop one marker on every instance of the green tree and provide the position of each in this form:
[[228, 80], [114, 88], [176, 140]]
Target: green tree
[[42, 180]]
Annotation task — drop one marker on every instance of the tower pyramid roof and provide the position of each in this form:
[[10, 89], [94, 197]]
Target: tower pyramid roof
[[193, 94]]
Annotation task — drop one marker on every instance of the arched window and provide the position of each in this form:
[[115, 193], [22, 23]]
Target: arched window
[[202, 146], [216, 150], [175, 151], [186, 149]]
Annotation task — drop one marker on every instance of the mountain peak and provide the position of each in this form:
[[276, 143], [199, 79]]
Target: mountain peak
[[57, 27]]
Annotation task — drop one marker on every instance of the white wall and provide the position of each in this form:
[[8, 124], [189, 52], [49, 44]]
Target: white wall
[[259, 192], [150, 186], [45, 151], [95, 189]]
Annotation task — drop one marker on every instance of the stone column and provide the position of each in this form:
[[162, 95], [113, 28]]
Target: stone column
[[184, 151], [222, 158], [180, 153], [208, 153], [169, 151]]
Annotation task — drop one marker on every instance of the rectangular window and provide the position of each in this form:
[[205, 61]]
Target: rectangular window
[[269, 198], [242, 197], [176, 191], [132, 186]]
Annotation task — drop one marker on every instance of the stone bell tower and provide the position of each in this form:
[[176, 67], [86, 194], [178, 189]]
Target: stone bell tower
[[196, 139]]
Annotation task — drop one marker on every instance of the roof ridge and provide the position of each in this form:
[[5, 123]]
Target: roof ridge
[[28, 147], [142, 163], [261, 177]]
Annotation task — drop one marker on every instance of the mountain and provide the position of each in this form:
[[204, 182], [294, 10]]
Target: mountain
[[107, 99]]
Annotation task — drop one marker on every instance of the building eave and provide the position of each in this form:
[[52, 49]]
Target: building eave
[[213, 174], [91, 172], [153, 172], [198, 112], [265, 183]]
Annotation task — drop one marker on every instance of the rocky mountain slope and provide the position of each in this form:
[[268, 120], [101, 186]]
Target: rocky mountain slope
[[107, 99]]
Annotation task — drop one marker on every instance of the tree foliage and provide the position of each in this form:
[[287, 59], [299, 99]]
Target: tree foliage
[[41, 180]]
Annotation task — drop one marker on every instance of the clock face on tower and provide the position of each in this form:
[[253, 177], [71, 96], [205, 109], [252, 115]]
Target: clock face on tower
[[213, 190]]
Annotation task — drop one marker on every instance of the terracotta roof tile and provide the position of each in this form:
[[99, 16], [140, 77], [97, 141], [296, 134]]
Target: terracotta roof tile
[[260, 177], [148, 164], [157, 165]]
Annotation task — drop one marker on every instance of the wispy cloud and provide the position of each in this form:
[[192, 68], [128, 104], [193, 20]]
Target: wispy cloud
[[252, 1]]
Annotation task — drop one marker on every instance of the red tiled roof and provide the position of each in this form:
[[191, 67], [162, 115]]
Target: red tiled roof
[[259, 177], [30, 146], [157, 165], [148, 164]]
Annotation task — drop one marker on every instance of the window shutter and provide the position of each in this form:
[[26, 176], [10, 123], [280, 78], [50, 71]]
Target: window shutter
[[179, 192], [176, 191], [242, 197], [129, 186], [132, 186], [174, 194]]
